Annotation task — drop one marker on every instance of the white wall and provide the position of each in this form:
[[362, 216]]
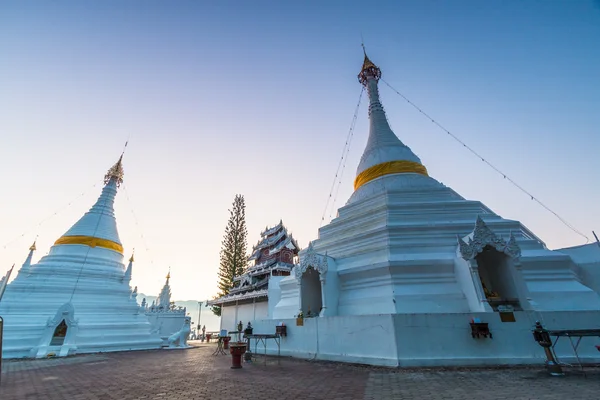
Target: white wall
[[411, 340], [587, 259], [166, 324], [232, 315], [289, 304], [274, 293], [462, 271], [228, 317]]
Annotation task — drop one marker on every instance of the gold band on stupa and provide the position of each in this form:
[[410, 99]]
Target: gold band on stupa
[[90, 241], [387, 168]]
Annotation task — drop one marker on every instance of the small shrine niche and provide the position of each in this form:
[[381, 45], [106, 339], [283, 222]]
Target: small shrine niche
[[311, 277], [496, 278], [312, 298], [494, 265], [58, 338]]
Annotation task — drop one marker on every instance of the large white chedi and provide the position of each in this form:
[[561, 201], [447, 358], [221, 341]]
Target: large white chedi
[[398, 275], [77, 299]]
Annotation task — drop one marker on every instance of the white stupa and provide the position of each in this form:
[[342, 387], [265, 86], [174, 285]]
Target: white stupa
[[77, 299], [408, 264], [400, 244]]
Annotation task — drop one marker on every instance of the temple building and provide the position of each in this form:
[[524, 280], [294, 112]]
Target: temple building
[[256, 292], [78, 298], [164, 316], [408, 264]]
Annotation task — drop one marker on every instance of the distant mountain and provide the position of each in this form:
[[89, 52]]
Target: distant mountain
[[207, 317]]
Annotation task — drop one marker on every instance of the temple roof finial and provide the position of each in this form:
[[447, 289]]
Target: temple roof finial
[[169, 274], [115, 172], [368, 70], [131, 259], [33, 248], [362, 43]]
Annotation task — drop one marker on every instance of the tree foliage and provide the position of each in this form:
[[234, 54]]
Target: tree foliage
[[233, 259]]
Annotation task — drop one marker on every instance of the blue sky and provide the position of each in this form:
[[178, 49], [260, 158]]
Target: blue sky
[[219, 98]]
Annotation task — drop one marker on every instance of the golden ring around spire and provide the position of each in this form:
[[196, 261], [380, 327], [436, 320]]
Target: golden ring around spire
[[387, 168], [90, 241]]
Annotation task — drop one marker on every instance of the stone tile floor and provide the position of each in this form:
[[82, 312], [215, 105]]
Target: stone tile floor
[[196, 374]]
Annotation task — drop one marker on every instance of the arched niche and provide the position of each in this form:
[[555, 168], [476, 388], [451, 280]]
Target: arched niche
[[496, 277], [59, 334], [311, 293], [311, 277], [494, 266]]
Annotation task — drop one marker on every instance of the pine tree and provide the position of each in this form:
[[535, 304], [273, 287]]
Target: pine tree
[[233, 258]]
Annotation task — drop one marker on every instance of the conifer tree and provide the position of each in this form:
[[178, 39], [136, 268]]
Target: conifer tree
[[233, 258]]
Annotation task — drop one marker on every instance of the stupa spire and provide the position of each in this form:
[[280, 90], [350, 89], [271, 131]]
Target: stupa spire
[[129, 270], [164, 298], [98, 227], [27, 263], [384, 154]]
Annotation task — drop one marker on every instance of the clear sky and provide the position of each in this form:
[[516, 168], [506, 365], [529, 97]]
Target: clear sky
[[225, 97]]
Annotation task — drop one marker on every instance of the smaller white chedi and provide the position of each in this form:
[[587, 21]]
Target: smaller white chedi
[[78, 298], [166, 318]]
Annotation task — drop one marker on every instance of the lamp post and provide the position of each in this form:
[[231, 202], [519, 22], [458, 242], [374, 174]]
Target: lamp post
[[199, 314]]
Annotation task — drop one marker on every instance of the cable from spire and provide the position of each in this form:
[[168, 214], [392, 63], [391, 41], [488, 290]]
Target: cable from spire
[[39, 224], [343, 157], [137, 224], [561, 219]]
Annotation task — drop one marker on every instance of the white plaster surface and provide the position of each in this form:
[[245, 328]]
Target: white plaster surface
[[248, 312], [411, 340]]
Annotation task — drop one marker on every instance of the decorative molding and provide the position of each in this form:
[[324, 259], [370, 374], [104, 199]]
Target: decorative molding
[[65, 312], [483, 236], [115, 172], [311, 259]]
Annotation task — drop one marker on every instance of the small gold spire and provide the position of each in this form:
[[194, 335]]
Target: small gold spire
[[131, 258], [33, 248], [169, 274]]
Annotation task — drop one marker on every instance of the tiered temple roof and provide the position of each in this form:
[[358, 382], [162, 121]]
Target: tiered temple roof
[[273, 255]]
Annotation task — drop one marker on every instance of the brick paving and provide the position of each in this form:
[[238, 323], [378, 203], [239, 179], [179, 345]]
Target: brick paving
[[196, 374]]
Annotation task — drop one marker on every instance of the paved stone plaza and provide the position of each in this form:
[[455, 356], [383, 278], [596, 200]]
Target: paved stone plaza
[[196, 374]]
